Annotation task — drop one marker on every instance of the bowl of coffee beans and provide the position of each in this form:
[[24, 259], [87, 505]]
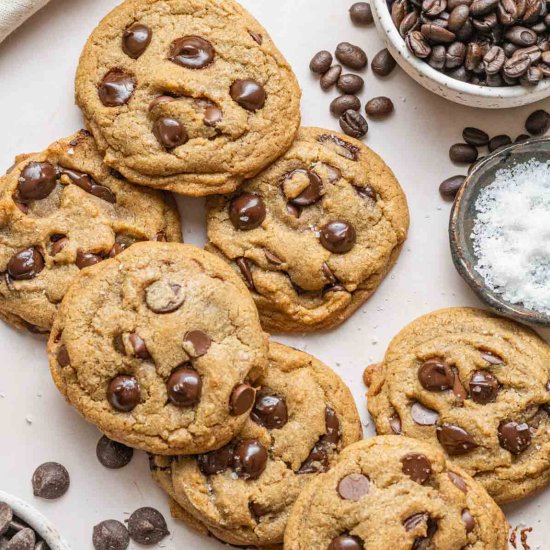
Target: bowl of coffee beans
[[480, 53], [24, 528]]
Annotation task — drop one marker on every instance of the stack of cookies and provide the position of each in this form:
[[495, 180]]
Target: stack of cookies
[[162, 346]]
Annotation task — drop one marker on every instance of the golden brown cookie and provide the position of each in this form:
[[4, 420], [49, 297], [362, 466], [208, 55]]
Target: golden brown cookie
[[395, 492], [303, 417], [313, 235], [60, 211], [159, 347], [188, 95], [476, 386]]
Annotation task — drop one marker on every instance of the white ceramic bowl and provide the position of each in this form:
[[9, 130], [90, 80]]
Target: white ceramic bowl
[[36, 520], [445, 86]]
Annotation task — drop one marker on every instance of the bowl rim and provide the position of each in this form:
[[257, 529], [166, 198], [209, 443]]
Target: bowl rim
[[36, 520], [466, 268], [491, 92]]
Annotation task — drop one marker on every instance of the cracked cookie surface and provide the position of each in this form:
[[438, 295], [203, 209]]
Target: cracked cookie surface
[[60, 211], [187, 95], [314, 235], [303, 417], [475, 385], [395, 492], [159, 347]]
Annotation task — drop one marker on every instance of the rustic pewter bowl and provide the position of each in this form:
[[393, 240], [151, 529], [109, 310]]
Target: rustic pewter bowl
[[462, 221]]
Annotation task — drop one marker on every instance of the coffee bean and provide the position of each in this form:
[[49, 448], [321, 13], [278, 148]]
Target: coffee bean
[[25, 264], [460, 73], [110, 535], [383, 63], [436, 375], [361, 14], [458, 17], [164, 296], [522, 137], [338, 237], [379, 107], [436, 59], [147, 526], [50, 481], [422, 415], [192, 52], [353, 124], [475, 137], [418, 45], [455, 440], [451, 186], [135, 40], [351, 56], [462, 153], [215, 462], [184, 387], [538, 122], [36, 181], [269, 410], [344, 103], [242, 399], [456, 53], [249, 94], [436, 34], [494, 60], [350, 84], [249, 459], [123, 393], [321, 62], [196, 343], [417, 467], [514, 437], [116, 88], [345, 542], [532, 77], [521, 36], [483, 7], [499, 141], [247, 211], [399, 10], [113, 455], [354, 487], [329, 79], [516, 66]]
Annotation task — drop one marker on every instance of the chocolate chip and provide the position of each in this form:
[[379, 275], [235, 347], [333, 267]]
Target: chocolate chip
[[164, 296], [272, 258], [354, 124], [85, 182], [417, 467], [514, 437], [333, 173], [338, 237], [50, 481], [492, 358], [458, 389], [458, 482], [160, 100], [249, 94], [329, 79], [383, 63], [340, 147], [451, 186], [354, 487], [139, 347], [212, 116], [123, 393], [192, 52], [332, 425], [351, 56], [361, 13], [24, 539], [196, 343], [244, 268], [86, 259], [416, 519], [112, 454], [436, 375], [36, 181], [346, 542], [63, 358], [302, 187], [424, 543], [249, 459], [321, 62], [469, 521], [269, 410], [247, 211], [422, 415], [455, 440], [25, 264], [135, 40], [215, 462], [257, 37], [110, 535], [483, 387], [58, 245], [395, 424], [184, 387], [6, 516], [147, 526], [170, 132], [116, 88], [242, 398]]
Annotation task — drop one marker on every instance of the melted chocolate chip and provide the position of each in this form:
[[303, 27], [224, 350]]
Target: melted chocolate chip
[[436, 375], [416, 519], [242, 264], [458, 482], [87, 183], [514, 437], [160, 100], [50, 481], [424, 543], [86, 259], [249, 94], [164, 297], [135, 40], [58, 244], [117, 249], [469, 521], [310, 194], [112, 454], [184, 387], [354, 487], [417, 467], [257, 37], [483, 387], [212, 116], [36, 181], [338, 237], [269, 410], [123, 393], [116, 88], [272, 258], [170, 132], [455, 440], [366, 192], [196, 343], [63, 358], [249, 459], [25, 264], [192, 52], [491, 357], [422, 415], [215, 462], [395, 424], [147, 526], [332, 425], [345, 542], [138, 344], [339, 146], [241, 399], [247, 211]]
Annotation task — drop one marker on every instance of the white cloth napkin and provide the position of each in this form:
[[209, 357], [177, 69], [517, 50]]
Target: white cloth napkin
[[15, 12]]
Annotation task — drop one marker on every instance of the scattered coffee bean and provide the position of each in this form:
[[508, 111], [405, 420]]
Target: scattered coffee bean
[[321, 62], [351, 56], [50, 481], [112, 454], [463, 153], [475, 137], [361, 13], [329, 79], [522, 137], [451, 186], [499, 141], [383, 63], [538, 122], [350, 84], [147, 526], [110, 535], [344, 103], [379, 107], [353, 124]]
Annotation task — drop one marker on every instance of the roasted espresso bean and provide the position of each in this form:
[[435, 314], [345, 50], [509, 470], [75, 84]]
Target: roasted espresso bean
[[344, 103], [399, 11], [452, 4], [353, 124], [329, 79], [533, 9], [350, 83], [379, 107], [383, 63], [533, 52], [458, 17], [361, 13], [460, 73], [516, 66], [462, 153], [499, 141], [464, 34], [475, 137], [418, 45], [432, 8], [474, 56], [485, 24], [532, 77], [538, 122], [483, 7], [437, 34], [321, 62], [494, 60], [351, 56], [437, 57], [451, 186], [507, 12], [410, 23], [455, 55], [521, 36]]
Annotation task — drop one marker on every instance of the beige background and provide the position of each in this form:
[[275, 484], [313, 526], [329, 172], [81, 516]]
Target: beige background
[[37, 65]]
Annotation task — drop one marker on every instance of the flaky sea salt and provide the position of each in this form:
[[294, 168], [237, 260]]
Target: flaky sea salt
[[511, 235]]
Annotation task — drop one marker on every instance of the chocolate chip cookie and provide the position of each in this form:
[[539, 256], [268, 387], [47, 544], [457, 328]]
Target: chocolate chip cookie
[[313, 235], [395, 492], [63, 210], [302, 418], [160, 348], [475, 385], [190, 95]]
